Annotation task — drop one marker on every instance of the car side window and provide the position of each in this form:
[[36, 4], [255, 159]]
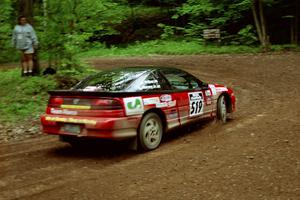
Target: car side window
[[194, 84], [162, 81], [149, 82], [177, 82], [181, 80]]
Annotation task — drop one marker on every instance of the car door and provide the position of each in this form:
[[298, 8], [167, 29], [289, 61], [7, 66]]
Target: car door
[[190, 95]]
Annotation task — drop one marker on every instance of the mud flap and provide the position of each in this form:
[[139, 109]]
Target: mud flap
[[133, 144]]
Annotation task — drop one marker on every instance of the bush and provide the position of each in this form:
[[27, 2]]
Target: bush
[[6, 49], [23, 98]]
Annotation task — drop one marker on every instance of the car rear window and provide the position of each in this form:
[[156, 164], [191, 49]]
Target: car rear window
[[113, 80]]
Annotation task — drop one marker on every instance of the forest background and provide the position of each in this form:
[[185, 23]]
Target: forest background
[[66, 28], [70, 30]]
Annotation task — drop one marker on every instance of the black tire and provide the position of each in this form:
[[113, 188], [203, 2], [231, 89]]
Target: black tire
[[150, 132], [222, 109]]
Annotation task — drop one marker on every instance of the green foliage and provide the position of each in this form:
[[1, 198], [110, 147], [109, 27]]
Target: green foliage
[[162, 47], [6, 49], [285, 47], [203, 14], [22, 98], [247, 35], [68, 77], [168, 31], [162, 3], [66, 28], [67, 25]]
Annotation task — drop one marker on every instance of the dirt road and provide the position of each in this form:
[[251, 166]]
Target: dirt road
[[254, 156]]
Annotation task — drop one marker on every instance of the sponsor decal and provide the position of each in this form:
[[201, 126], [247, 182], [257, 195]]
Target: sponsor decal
[[150, 81], [213, 89], [221, 89], [172, 103], [90, 88], [150, 101], [145, 87], [71, 120], [166, 104], [63, 112], [207, 93], [79, 107], [162, 105], [196, 103], [150, 84], [133, 105], [158, 103], [166, 97]]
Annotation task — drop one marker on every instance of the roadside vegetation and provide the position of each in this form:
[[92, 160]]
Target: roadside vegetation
[[71, 31], [25, 98], [163, 47], [22, 98]]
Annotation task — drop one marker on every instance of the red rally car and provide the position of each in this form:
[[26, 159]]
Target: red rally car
[[134, 102]]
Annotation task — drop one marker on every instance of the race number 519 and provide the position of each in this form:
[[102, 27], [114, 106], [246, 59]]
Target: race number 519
[[196, 103]]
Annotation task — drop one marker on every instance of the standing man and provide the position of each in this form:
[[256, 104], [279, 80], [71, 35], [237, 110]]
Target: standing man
[[25, 40]]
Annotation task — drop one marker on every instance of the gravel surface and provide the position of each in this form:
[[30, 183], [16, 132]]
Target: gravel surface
[[256, 155], [17, 132]]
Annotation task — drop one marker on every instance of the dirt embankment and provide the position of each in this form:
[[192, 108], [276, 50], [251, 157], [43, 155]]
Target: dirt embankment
[[254, 156]]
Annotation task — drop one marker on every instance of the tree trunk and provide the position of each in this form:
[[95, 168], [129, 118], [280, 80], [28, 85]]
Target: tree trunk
[[26, 9], [292, 30], [296, 31], [263, 23], [260, 23], [256, 21]]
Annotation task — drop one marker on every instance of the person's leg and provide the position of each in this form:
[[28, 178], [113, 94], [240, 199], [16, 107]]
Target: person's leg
[[29, 63], [24, 63], [29, 58]]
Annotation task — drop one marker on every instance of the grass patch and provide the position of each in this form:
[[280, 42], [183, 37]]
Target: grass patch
[[22, 98], [159, 47], [285, 47], [25, 98]]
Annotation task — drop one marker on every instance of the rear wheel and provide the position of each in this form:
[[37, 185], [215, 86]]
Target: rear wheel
[[150, 132], [221, 109]]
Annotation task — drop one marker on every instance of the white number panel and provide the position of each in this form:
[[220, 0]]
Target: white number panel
[[196, 103]]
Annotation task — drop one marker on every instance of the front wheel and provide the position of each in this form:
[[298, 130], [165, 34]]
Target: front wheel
[[221, 109], [150, 132]]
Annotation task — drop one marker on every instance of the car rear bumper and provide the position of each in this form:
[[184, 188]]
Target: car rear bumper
[[111, 128]]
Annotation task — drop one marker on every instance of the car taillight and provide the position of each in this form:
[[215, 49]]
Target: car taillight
[[84, 103], [106, 104], [56, 101], [48, 110]]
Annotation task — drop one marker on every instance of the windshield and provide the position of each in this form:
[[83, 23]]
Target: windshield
[[113, 80]]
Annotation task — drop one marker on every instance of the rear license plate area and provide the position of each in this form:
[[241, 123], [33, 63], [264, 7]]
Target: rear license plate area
[[71, 128]]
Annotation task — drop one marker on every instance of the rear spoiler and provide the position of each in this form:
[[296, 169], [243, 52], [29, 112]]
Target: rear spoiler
[[104, 94]]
